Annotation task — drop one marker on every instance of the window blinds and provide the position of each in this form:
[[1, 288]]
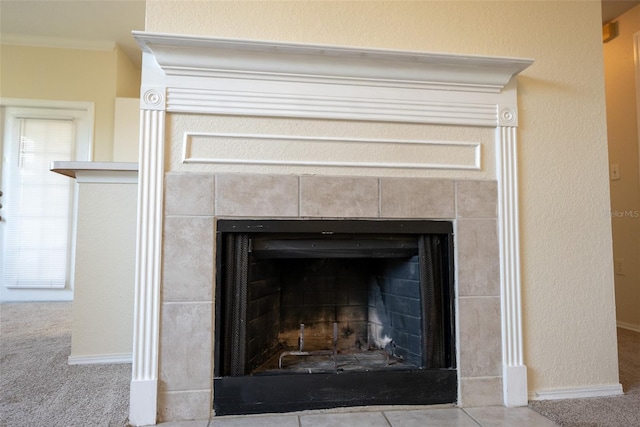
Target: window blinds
[[38, 204]]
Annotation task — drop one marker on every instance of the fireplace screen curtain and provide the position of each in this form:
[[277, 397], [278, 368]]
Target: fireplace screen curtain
[[235, 303], [434, 302], [432, 282]]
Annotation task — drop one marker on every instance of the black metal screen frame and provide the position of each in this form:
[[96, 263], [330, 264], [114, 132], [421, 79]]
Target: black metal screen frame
[[437, 288]]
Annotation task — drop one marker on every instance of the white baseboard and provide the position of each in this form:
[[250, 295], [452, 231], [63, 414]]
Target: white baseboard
[[577, 393], [101, 359], [629, 326]]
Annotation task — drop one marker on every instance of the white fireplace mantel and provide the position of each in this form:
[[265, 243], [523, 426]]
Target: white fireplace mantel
[[289, 62], [186, 74], [224, 76]]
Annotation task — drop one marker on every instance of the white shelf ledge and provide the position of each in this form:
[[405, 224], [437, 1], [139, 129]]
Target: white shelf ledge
[[98, 172]]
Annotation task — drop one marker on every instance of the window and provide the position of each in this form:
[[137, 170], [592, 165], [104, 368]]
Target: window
[[36, 246], [37, 225]]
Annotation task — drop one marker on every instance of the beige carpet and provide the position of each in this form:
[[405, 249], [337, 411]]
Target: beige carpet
[[38, 387], [618, 411]]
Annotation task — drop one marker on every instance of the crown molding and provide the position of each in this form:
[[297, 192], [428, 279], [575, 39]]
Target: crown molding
[[179, 55]]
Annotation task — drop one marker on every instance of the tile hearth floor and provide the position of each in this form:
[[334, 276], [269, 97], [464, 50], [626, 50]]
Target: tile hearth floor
[[494, 416]]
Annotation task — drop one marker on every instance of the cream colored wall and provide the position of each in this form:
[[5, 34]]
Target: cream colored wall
[[126, 126], [71, 75], [126, 131], [105, 270], [569, 311], [127, 76], [622, 131]]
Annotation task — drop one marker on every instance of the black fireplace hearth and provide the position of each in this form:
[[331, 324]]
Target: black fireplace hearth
[[314, 314]]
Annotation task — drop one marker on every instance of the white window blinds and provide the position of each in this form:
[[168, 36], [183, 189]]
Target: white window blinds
[[38, 204]]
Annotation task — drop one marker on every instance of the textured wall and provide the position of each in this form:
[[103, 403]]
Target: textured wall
[[568, 294], [224, 148], [104, 271], [126, 130], [622, 131]]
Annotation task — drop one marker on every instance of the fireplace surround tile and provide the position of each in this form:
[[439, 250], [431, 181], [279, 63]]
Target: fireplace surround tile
[[441, 417], [184, 405], [476, 199], [361, 419], [268, 420], [480, 337], [189, 256], [186, 364], [349, 197], [417, 198], [189, 194], [478, 257], [187, 262], [257, 195], [509, 416], [476, 392]]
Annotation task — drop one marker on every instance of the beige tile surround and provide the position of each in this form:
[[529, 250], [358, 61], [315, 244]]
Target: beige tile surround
[[192, 203]]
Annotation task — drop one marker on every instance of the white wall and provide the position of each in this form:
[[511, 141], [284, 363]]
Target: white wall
[[622, 132], [569, 311]]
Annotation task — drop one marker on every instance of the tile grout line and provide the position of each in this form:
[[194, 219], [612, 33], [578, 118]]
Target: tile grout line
[[471, 416], [386, 419]]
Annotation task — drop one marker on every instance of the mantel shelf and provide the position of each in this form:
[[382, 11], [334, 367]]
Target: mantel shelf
[[180, 55]]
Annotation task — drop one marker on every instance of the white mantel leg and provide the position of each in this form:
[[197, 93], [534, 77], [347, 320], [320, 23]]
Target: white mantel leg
[[144, 380], [514, 371]]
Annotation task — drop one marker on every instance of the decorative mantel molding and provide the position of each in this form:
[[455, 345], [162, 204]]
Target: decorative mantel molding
[[224, 76], [184, 74], [289, 62]]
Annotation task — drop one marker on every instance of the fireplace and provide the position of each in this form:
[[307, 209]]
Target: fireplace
[[243, 130], [333, 313]]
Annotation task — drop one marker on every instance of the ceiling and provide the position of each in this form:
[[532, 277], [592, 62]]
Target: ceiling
[[89, 24], [613, 8], [101, 23]]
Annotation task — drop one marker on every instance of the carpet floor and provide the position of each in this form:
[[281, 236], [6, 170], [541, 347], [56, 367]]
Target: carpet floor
[[38, 387], [617, 411]]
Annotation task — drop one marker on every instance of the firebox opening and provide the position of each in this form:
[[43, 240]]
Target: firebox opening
[[333, 315], [301, 299]]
